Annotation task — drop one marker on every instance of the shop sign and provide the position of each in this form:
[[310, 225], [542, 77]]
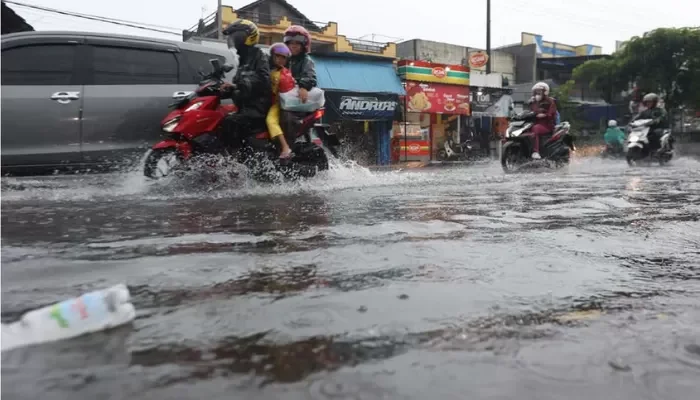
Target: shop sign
[[439, 72], [363, 106], [423, 71], [497, 103], [478, 59], [437, 98]]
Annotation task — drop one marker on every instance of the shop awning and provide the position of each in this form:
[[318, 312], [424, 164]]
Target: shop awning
[[357, 75]]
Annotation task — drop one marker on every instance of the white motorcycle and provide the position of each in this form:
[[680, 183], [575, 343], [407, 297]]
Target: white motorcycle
[[638, 144]]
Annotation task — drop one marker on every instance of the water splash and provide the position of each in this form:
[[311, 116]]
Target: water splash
[[227, 180]]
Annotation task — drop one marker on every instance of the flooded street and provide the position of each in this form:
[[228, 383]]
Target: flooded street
[[446, 283]]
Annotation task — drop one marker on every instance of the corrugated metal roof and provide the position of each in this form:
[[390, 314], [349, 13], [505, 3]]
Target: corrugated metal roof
[[365, 76]]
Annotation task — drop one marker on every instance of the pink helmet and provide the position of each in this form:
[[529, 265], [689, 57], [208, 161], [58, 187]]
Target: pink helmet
[[280, 49], [296, 33]]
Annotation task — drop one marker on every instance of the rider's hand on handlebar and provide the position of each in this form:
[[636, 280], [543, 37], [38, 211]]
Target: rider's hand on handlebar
[[541, 115], [227, 87]]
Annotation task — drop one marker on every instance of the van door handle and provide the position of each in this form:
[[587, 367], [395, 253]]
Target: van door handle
[[180, 95], [65, 96]]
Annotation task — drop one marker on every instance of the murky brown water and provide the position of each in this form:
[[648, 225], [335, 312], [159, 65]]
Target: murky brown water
[[443, 283]]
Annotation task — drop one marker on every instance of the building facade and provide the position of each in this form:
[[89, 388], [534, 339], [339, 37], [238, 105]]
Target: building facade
[[12, 22], [502, 63], [273, 17]]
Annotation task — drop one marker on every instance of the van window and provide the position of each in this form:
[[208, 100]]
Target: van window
[[200, 62], [46, 64], [126, 66]]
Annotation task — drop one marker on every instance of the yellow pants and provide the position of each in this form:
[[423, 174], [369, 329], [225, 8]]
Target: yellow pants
[[273, 121]]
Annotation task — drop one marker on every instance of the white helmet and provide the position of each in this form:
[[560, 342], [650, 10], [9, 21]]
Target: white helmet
[[541, 86], [650, 97], [612, 123]]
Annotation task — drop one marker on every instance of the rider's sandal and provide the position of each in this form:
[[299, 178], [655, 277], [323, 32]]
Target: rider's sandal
[[286, 155]]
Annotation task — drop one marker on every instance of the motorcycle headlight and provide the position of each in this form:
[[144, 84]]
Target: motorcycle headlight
[[169, 126], [194, 106]]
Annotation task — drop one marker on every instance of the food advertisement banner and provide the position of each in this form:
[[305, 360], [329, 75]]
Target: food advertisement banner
[[437, 98], [423, 71]]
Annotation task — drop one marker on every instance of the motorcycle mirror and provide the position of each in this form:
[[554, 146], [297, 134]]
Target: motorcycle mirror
[[227, 67], [215, 63]]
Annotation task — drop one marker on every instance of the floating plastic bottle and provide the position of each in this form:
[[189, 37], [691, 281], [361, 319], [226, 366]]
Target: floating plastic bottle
[[92, 312]]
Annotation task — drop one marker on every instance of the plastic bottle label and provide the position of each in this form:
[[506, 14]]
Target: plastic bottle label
[[67, 313]]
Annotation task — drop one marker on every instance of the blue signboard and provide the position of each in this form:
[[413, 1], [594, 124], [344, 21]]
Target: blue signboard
[[362, 106]]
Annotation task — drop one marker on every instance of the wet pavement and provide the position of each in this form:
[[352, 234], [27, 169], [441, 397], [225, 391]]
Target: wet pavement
[[459, 283]]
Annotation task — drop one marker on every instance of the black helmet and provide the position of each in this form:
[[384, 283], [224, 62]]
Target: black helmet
[[240, 33]]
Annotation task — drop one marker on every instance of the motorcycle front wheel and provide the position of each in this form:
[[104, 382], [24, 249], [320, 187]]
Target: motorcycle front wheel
[[511, 158], [634, 154], [161, 163]]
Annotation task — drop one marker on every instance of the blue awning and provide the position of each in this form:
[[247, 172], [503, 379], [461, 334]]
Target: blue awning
[[357, 75]]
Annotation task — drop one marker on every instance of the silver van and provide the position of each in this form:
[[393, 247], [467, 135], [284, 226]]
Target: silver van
[[74, 100]]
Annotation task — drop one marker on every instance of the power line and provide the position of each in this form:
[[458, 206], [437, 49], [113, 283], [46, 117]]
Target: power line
[[129, 24]]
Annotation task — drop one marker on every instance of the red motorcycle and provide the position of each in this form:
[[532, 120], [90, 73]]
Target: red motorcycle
[[193, 132]]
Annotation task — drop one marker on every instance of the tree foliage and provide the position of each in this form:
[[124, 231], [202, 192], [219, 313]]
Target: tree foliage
[[665, 61], [563, 92]]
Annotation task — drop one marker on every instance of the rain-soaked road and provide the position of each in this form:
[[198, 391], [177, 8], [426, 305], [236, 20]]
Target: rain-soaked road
[[441, 283]]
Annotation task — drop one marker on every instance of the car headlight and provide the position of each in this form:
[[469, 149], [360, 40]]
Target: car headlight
[[169, 126], [194, 106]]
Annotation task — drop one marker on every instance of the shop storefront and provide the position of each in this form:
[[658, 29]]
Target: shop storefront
[[436, 106], [362, 101]]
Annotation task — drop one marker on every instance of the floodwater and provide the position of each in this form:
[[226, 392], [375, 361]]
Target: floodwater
[[459, 283]]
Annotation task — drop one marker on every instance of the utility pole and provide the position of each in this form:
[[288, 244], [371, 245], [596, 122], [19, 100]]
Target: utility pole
[[219, 21], [488, 36]]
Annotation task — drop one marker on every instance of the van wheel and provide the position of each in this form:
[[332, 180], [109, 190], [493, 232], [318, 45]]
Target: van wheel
[[161, 163]]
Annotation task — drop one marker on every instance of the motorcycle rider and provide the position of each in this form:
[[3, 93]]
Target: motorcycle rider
[[250, 89], [614, 137], [279, 54], [659, 118], [298, 39], [546, 110]]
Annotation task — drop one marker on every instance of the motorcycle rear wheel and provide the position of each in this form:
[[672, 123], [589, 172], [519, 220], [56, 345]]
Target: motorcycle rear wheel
[[161, 163]]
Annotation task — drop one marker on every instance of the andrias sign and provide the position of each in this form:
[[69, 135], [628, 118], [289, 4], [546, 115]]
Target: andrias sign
[[365, 106]]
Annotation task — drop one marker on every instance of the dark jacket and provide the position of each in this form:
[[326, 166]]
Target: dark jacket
[[545, 106], [303, 71], [253, 94], [659, 116]]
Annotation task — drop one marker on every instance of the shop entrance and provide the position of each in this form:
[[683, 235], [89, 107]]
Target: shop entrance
[[365, 142]]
